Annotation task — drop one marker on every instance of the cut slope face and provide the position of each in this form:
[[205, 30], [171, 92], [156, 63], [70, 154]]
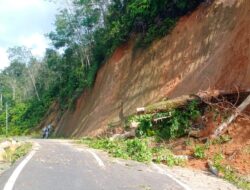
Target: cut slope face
[[208, 49]]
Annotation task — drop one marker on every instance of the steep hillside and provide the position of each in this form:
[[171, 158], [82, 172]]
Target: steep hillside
[[209, 48]]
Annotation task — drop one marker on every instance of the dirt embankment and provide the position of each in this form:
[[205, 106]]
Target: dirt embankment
[[236, 151], [209, 48]]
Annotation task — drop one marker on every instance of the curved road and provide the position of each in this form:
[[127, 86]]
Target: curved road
[[59, 165]]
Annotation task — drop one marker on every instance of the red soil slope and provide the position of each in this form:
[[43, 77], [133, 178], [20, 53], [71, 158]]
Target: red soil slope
[[209, 48]]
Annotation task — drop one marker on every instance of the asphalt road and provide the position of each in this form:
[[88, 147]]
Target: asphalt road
[[59, 165]]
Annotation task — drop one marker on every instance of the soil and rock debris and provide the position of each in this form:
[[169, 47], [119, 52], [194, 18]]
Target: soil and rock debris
[[236, 151]]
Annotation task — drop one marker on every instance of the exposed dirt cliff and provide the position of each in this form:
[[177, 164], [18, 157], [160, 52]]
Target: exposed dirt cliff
[[209, 48]]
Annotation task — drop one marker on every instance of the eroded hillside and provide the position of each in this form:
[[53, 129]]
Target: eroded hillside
[[208, 49]]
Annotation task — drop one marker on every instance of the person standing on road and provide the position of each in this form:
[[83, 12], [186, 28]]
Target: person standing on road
[[44, 130], [50, 129], [47, 133]]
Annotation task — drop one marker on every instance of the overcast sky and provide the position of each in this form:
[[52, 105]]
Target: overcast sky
[[24, 22]]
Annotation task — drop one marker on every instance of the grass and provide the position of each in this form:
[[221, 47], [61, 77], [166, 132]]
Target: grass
[[137, 149], [222, 139], [229, 174], [144, 150], [199, 152], [12, 155]]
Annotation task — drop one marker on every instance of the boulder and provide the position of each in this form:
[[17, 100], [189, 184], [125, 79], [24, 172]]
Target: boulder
[[5, 144]]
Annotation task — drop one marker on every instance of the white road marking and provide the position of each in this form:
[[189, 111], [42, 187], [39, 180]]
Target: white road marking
[[11, 182], [162, 171], [97, 158]]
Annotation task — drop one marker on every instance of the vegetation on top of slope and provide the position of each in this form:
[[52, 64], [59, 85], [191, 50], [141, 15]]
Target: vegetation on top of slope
[[87, 32]]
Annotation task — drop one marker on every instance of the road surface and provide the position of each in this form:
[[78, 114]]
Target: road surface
[[60, 165]]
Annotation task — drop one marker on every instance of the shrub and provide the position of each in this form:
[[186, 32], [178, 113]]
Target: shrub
[[178, 123], [199, 152]]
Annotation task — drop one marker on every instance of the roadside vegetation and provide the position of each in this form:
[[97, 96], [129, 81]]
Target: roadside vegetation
[[15, 153], [139, 149], [2, 138], [149, 143], [218, 162], [177, 122], [228, 173], [11, 151], [164, 137]]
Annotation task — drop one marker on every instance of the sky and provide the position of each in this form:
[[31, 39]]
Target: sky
[[24, 23]]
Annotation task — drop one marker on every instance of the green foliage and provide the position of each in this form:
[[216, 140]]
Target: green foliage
[[145, 125], [189, 142], [95, 29], [229, 174], [217, 159], [164, 155], [222, 139], [115, 148], [138, 150], [150, 18], [88, 32], [90, 78], [23, 116], [178, 123], [135, 149], [13, 155], [199, 151]]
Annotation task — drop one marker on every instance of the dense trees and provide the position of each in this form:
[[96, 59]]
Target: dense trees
[[86, 34]]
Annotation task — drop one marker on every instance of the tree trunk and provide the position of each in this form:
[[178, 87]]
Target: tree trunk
[[169, 104], [1, 102], [34, 84], [225, 124], [181, 101]]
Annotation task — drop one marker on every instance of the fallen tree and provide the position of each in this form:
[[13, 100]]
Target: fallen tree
[[181, 101], [128, 134], [239, 110], [167, 105], [205, 125]]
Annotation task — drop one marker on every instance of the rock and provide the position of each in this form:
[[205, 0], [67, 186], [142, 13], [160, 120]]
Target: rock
[[140, 110], [5, 144], [13, 142], [212, 169], [129, 134], [2, 154], [182, 157], [126, 135], [13, 147], [134, 124]]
